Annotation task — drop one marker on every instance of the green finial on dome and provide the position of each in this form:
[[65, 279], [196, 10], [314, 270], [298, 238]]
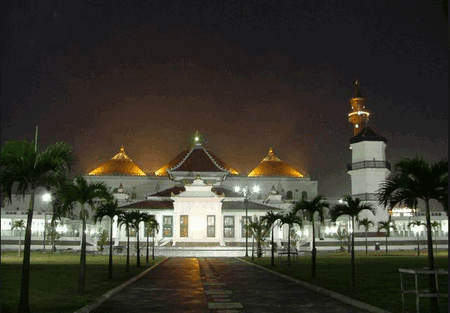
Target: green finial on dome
[[197, 139]]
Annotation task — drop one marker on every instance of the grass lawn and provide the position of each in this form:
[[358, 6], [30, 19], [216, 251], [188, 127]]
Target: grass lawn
[[377, 276], [54, 280]]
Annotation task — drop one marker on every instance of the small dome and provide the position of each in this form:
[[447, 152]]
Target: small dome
[[273, 166], [120, 164]]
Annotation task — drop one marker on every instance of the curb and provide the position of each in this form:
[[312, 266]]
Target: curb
[[332, 294], [92, 306]]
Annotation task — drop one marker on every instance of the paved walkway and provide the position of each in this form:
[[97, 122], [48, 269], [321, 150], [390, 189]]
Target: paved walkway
[[217, 285]]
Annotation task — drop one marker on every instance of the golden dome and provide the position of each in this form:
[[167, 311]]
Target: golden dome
[[120, 164], [273, 166]]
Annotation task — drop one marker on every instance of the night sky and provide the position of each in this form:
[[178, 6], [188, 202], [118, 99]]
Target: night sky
[[248, 75]]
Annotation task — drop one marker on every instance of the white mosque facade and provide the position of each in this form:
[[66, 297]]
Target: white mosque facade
[[193, 198]]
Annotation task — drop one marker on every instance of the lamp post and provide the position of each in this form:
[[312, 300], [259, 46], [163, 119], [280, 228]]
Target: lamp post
[[247, 195], [46, 197]]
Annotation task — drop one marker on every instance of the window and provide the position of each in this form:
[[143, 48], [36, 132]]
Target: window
[[183, 225], [289, 195], [244, 230], [304, 195], [211, 223], [167, 226], [228, 226]]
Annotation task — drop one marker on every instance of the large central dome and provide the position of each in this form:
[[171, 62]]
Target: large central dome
[[120, 164], [273, 166]]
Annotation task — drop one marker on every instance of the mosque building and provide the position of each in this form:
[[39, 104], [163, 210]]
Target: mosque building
[[194, 196], [201, 203]]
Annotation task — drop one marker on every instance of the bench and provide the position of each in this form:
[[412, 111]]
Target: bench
[[284, 252]]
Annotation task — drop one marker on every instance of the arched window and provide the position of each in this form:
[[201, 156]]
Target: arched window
[[289, 195], [304, 195]]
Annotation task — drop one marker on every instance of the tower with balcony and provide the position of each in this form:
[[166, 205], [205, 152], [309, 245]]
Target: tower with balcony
[[369, 167]]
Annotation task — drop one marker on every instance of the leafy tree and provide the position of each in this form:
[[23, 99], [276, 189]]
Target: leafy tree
[[290, 219], [342, 235], [271, 220], [310, 210], [126, 219], [138, 217], [151, 225], [411, 180], [259, 229], [81, 192], [26, 168], [386, 226], [52, 235], [351, 207], [366, 223], [417, 224], [20, 224], [109, 209], [102, 239]]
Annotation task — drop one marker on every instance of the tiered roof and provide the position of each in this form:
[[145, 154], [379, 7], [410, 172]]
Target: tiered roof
[[195, 159], [367, 134], [120, 164], [271, 165]]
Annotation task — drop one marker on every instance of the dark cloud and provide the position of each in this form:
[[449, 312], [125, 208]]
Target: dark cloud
[[251, 76]]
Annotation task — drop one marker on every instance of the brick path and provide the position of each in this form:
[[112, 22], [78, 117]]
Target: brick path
[[217, 285]]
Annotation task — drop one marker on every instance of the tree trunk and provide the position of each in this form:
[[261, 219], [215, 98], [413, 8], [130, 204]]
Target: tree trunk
[[272, 252], [353, 256], [289, 245], [153, 246], [127, 266], [313, 263], [366, 241], [387, 235], [434, 307], [138, 260], [82, 271], [20, 235], [25, 284], [146, 260], [418, 244], [110, 267]]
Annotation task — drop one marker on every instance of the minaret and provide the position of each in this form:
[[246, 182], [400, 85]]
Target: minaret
[[359, 115], [369, 167]]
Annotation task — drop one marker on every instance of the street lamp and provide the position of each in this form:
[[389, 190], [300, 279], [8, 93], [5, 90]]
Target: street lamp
[[247, 195], [46, 197]]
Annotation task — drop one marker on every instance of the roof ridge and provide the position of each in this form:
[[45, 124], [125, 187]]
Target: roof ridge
[[214, 161], [181, 162]]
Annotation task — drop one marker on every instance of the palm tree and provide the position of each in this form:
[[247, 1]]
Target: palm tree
[[311, 209], [138, 217], [81, 192], [387, 226], [351, 207], [411, 180], [26, 168], [366, 223], [151, 225], [290, 219], [435, 225], [271, 220], [109, 209], [259, 229], [20, 224], [417, 224], [126, 218]]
